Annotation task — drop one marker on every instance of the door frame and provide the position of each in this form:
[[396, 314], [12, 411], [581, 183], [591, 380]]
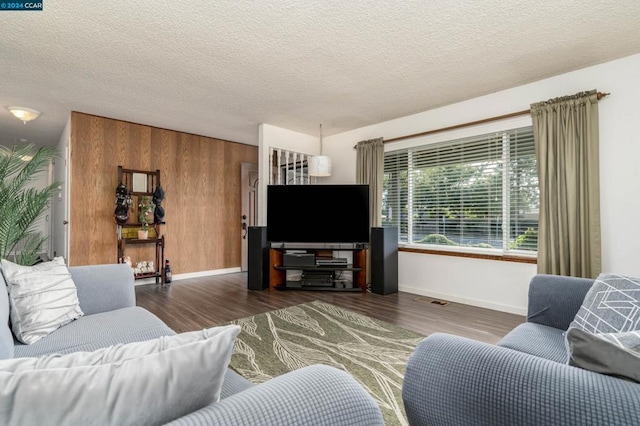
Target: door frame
[[249, 178]]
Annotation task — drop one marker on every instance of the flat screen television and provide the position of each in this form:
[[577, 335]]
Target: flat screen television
[[318, 213]]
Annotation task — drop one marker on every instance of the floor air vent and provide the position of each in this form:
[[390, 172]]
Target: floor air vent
[[430, 300]]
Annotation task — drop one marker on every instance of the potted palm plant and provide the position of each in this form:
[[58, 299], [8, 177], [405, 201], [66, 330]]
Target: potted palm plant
[[21, 205]]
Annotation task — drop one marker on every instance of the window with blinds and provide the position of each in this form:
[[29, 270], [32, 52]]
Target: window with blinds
[[479, 192]]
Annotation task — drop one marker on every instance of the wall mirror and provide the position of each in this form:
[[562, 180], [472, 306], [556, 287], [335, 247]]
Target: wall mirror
[[139, 182]]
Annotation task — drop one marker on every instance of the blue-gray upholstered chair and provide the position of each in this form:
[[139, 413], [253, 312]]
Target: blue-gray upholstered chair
[[524, 380]]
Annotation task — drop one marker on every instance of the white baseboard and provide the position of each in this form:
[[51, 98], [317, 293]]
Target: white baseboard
[[473, 302], [186, 276], [199, 274]]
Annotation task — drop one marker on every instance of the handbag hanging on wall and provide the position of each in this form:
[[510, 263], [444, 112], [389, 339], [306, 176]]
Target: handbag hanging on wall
[[123, 202]]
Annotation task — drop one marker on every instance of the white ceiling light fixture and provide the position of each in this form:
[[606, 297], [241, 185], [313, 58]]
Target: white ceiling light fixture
[[24, 114], [320, 165]]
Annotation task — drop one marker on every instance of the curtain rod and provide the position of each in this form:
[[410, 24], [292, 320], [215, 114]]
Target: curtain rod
[[471, 123]]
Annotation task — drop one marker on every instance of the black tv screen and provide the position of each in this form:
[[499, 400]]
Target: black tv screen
[[318, 213]]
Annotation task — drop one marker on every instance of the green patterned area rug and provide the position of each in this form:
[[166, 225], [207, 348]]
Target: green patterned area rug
[[372, 351]]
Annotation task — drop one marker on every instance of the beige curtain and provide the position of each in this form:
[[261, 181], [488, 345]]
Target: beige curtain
[[566, 136], [370, 170]]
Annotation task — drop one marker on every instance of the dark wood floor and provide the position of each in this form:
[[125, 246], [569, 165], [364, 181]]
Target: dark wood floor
[[193, 304]]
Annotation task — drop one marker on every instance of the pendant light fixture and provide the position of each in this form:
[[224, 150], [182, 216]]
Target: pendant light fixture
[[320, 165]]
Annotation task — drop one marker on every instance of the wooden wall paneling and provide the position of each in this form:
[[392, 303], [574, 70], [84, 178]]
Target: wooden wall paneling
[[189, 229], [200, 176], [197, 215], [194, 199], [173, 228], [231, 215], [174, 208], [163, 158], [215, 209], [181, 215], [145, 155], [87, 221], [207, 184], [114, 139], [206, 177], [120, 145], [199, 196]]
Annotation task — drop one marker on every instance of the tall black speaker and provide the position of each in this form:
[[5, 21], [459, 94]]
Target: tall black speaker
[[258, 262], [384, 260]]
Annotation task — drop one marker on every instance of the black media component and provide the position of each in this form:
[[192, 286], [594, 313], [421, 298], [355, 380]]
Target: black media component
[[258, 258], [335, 262], [384, 260], [299, 259], [312, 278], [318, 213]]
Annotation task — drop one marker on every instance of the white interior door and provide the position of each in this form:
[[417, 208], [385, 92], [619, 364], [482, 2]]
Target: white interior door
[[60, 204], [249, 217]]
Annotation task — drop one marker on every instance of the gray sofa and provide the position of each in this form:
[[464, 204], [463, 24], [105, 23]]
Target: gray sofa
[[524, 380], [318, 394]]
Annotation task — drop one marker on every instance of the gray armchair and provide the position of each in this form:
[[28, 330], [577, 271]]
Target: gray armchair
[[524, 380]]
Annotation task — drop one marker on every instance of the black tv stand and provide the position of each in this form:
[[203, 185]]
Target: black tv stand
[[278, 273]]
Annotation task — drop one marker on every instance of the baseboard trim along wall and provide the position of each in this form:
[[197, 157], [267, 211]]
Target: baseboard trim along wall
[[186, 276], [473, 302]]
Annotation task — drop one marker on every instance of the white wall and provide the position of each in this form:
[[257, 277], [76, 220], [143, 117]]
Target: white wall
[[60, 203], [503, 285], [276, 137]]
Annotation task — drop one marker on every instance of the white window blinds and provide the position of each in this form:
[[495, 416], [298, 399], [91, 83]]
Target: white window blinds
[[479, 192]]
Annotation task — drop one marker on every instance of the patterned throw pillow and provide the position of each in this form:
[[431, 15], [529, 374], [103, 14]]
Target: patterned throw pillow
[[612, 305], [616, 354], [42, 298]]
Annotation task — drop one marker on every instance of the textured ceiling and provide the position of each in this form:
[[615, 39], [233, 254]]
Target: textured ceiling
[[220, 68]]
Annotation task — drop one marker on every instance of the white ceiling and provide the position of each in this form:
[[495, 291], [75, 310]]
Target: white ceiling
[[220, 68]]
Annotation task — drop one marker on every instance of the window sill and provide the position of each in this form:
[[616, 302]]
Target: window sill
[[486, 256]]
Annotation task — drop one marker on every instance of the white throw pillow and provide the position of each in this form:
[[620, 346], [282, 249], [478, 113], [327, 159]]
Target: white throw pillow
[[143, 383], [42, 298]]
